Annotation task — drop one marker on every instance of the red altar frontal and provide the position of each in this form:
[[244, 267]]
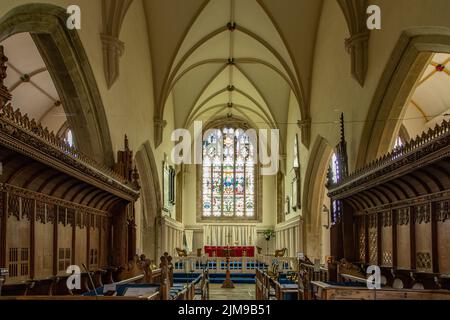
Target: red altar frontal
[[239, 251]]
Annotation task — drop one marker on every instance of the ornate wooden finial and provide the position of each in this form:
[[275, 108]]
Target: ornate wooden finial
[[5, 96], [342, 122], [135, 178], [164, 289], [126, 144], [341, 153]]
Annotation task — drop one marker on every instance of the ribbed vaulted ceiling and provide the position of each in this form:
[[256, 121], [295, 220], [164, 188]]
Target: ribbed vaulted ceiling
[[238, 57]]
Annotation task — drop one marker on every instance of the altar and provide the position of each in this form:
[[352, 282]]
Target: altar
[[235, 251]]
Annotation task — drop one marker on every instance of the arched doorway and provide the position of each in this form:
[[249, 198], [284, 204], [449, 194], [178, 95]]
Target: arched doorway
[[68, 65], [151, 201], [314, 237]]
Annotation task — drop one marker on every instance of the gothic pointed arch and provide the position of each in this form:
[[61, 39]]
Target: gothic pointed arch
[[229, 51], [407, 62], [313, 192], [151, 198], [68, 65]]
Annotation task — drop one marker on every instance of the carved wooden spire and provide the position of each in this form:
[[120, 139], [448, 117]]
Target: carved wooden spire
[[342, 152], [124, 164], [5, 96], [126, 144], [342, 127]]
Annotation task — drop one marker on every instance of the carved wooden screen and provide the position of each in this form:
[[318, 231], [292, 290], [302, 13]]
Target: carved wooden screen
[[386, 238], [18, 247], [361, 238], [81, 238], [443, 234], [44, 227], [403, 238], [65, 234], [373, 239], [423, 238], [94, 241], [64, 259]]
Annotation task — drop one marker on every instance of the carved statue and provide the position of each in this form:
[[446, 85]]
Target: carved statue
[[165, 276], [280, 253], [181, 252], [349, 268]]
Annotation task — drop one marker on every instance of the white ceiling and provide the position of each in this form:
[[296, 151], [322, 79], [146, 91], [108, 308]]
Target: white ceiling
[[191, 53], [30, 84], [432, 93], [430, 102]]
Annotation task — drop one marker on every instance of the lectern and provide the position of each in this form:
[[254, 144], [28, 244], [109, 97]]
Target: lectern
[[228, 284]]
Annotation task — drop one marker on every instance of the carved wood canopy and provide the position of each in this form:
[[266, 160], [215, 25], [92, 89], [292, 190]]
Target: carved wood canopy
[[27, 149], [417, 173]]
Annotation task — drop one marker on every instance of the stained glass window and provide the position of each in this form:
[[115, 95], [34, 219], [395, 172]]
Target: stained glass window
[[398, 143], [296, 158], [228, 176], [335, 168], [69, 138]]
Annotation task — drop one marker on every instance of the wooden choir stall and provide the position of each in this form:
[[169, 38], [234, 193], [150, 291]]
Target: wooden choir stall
[[394, 214], [58, 207]]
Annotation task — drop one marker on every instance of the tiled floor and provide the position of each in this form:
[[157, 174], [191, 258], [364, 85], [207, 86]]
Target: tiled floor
[[241, 292]]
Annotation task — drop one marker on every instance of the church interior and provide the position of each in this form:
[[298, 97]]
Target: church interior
[[224, 150]]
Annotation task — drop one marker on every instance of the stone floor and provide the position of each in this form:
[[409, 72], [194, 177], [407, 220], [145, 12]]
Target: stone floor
[[241, 292]]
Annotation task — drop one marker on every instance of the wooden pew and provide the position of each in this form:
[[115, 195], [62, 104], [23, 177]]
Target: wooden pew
[[268, 287], [97, 277], [350, 279], [204, 285], [308, 273], [59, 287], [324, 291], [108, 275], [137, 271], [14, 289], [286, 291], [139, 266], [40, 287], [3, 274]]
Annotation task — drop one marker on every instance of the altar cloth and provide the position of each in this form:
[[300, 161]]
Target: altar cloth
[[221, 251]]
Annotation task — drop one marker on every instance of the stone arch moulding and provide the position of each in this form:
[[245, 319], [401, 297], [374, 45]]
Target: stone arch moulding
[[68, 65], [358, 42], [313, 187], [113, 14], [151, 199], [406, 64]]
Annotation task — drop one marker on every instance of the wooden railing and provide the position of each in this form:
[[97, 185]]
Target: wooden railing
[[20, 127], [285, 264], [439, 131], [237, 264]]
